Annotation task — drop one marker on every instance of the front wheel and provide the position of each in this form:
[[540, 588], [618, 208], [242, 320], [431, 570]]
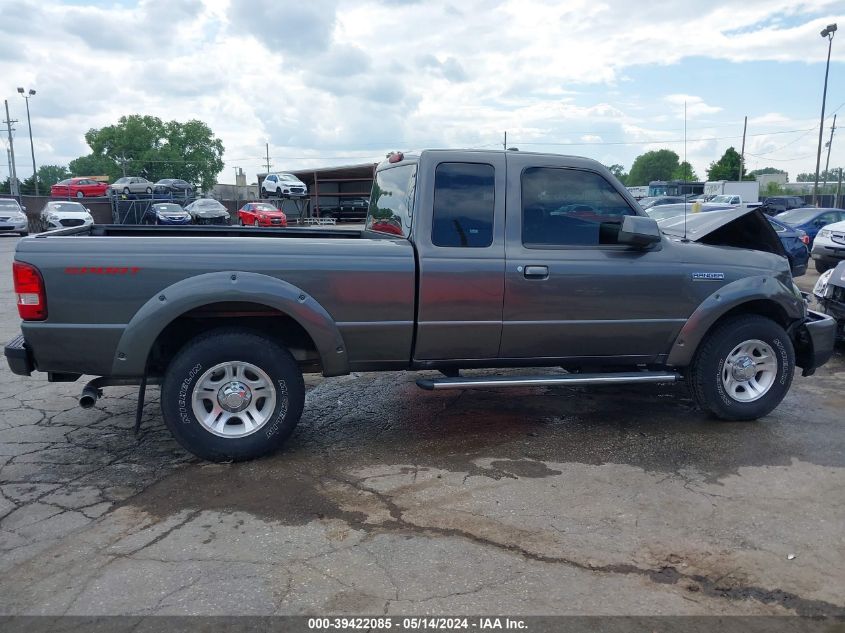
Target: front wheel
[[79, 194], [232, 395], [822, 266], [743, 368]]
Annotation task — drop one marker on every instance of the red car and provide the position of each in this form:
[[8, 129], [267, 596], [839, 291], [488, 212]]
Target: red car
[[261, 214], [79, 188]]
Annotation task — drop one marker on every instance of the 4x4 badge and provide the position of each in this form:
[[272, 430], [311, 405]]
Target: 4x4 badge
[[708, 276]]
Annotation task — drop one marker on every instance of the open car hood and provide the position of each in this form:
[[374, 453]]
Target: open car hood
[[741, 227]]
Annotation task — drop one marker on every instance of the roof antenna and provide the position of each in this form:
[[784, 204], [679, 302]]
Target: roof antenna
[[683, 179]]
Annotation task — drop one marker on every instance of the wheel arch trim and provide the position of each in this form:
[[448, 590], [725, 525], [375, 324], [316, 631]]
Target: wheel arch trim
[[734, 295], [195, 292]]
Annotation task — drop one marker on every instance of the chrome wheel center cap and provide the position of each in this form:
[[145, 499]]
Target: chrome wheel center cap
[[234, 396], [743, 369]]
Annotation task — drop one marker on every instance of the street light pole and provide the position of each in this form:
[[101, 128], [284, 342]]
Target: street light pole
[[828, 32], [26, 96]]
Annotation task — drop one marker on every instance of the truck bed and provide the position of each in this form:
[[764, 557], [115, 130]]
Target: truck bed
[[130, 230]]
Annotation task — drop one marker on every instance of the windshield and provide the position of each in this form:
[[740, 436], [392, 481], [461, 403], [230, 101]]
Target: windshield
[[168, 208], [288, 177], [797, 216], [724, 199], [68, 207], [264, 207], [9, 205], [392, 200]]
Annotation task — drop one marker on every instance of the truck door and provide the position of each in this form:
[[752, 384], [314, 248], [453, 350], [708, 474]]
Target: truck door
[[571, 291], [459, 233]]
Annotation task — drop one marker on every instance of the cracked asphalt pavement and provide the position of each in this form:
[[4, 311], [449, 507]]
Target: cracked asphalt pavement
[[388, 499]]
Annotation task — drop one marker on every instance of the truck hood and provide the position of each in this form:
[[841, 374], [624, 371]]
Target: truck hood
[[740, 227]]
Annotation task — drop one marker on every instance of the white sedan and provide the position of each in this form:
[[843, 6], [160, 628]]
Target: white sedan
[[60, 214], [12, 217]]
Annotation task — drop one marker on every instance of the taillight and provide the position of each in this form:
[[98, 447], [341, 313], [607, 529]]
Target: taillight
[[806, 239], [29, 287]]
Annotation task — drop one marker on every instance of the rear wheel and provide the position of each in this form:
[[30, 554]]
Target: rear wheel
[[232, 395], [256, 224], [743, 369], [79, 194], [126, 191], [149, 190], [263, 192]]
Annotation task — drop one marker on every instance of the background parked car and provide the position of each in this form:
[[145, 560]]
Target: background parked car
[[795, 243], [261, 214], [283, 184], [59, 214], [208, 211], [166, 213], [131, 184], [778, 204], [12, 217], [829, 246], [810, 219], [79, 188], [656, 201], [174, 186]]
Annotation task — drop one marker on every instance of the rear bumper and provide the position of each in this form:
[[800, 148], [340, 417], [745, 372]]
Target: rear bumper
[[814, 338], [19, 357]]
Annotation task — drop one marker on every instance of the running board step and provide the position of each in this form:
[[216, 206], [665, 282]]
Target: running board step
[[462, 382]]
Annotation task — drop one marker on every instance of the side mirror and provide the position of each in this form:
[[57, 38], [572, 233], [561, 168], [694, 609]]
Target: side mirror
[[639, 231]]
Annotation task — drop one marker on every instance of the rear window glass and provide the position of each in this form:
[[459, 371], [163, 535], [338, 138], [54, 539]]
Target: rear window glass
[[392, 200], [464, 198]]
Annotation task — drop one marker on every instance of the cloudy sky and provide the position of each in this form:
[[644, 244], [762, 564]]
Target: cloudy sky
[[343, 81]]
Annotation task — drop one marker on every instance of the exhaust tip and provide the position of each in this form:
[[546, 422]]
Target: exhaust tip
[[89, 397]]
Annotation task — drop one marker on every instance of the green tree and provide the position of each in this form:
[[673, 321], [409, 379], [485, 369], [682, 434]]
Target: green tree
[[765, 171], [147, 146], [654, 165], [727, 167], [773, 189], [92, 165], [685, 172], [48, 175], [618, 171], [831, 175]]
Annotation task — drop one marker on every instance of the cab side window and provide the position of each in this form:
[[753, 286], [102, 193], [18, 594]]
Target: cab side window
[[464, 201], [569, 207]]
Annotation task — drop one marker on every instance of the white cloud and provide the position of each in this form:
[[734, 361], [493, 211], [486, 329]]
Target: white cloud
[[346, 78]]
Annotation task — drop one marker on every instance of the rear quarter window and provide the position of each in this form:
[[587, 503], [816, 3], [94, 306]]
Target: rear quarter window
[[392, 201]]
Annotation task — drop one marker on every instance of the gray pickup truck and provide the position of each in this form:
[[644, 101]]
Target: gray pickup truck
[[468, 259]]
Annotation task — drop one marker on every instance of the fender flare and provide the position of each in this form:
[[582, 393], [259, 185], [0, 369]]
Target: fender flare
[[185, 295], [723, 300]]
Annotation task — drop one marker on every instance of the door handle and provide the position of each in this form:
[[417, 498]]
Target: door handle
[[536, 272]]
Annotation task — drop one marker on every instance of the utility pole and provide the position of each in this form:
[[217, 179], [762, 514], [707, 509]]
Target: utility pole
[[827, 33], [829, 143], [836, 202], [742, 154], [267, 150], [505, 144], [13, 173]]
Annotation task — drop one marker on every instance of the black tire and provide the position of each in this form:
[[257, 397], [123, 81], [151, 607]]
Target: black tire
[[79, 194], [149, 190], [704, 376], [263, 192], [240, 221], [822, 266], [126, 191], [221, 346], [24, 233], [256, 224]]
